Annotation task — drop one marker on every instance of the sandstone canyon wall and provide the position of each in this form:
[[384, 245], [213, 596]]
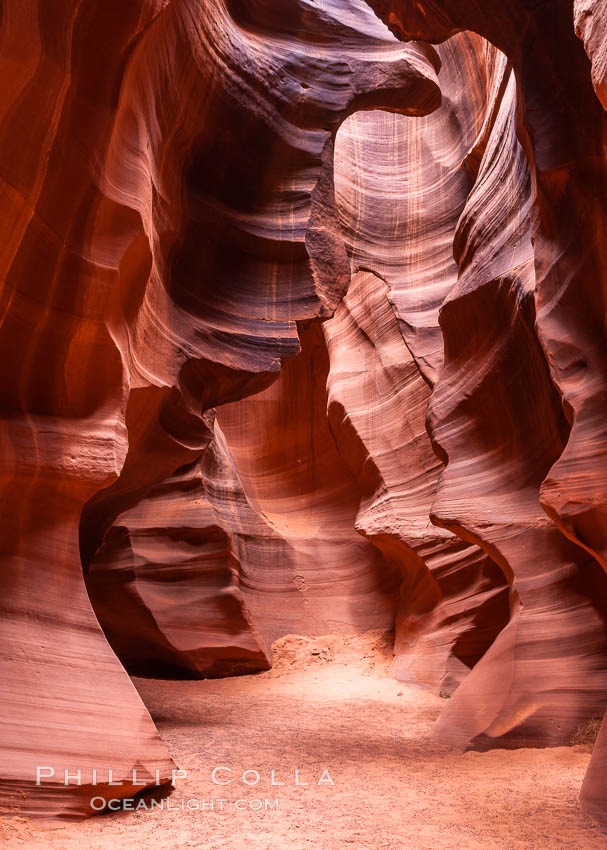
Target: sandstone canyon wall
[[302, 331]]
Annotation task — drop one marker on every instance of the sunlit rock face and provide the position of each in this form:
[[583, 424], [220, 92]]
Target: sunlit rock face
[[302, 329], [590, 18], [402, 186], [169, 217], [244, 242], [557, 302]]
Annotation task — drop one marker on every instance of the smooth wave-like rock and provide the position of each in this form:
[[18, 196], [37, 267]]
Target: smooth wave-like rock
[[401, 186], [590, 19], [65, 700], [248, 248], [169, 216], [560, 127], [453, 601], [302, 331]]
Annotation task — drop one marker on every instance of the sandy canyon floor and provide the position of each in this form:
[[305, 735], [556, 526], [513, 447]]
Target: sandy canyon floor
[[329, 705]]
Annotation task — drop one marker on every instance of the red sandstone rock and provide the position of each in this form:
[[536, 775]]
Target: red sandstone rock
[[560, 128], [168, 216], [181, 211], [590, 18], [400, 224], [65, 700], [245, 249]]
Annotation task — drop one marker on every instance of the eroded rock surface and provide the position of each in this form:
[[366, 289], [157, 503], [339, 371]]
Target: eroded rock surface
[[302, 333], [169, 217]]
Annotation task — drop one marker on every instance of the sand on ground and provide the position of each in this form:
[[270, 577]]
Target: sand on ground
[[329, 705]]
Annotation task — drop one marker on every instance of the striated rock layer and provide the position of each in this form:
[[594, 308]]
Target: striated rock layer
[[400, 206], [153, 266], [560, 126], [241, 252], [302, 324]]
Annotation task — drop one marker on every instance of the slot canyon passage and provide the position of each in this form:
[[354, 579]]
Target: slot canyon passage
[[304, 424]]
